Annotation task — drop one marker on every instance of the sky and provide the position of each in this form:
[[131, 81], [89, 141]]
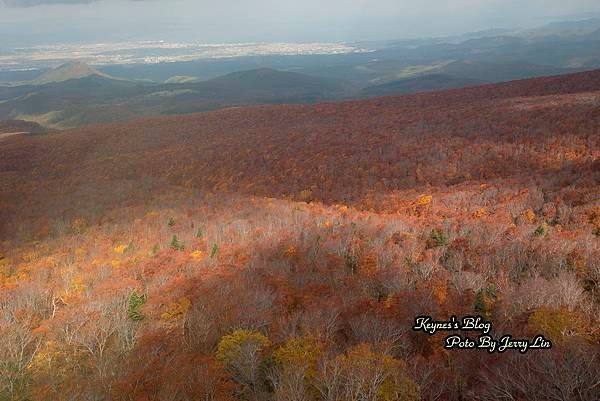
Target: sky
[[32, 22]]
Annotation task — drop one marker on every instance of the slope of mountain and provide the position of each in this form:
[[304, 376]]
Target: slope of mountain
[[181, 79], [564, 28], [68, 71], [149, 260], [498, 72], [19, 76], [422, 83], [96, 98], [20, 126], [144, 147], [278, 85], [69, 103]]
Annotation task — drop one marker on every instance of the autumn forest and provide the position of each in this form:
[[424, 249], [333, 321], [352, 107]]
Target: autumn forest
[[282, 252]]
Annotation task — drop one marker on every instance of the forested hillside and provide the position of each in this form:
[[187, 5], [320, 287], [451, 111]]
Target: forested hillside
[[283, 252]]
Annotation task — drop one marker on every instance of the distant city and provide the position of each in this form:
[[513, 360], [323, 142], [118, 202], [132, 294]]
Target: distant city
[[150, 52]]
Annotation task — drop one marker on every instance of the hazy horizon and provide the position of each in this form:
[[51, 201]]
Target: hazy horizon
[[33, 22]]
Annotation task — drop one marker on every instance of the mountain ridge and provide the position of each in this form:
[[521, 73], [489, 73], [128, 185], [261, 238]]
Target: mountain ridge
[[68, 71], [95, 98], [420, 83]]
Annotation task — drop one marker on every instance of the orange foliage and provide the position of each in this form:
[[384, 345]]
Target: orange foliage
[[346, 222]]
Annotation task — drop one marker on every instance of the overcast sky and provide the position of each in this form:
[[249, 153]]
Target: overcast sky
[[47, 21]]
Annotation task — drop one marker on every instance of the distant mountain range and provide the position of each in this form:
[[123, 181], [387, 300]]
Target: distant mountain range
[[460, 74], [572, 45], [565, 28], [75, 95], [568, 46]]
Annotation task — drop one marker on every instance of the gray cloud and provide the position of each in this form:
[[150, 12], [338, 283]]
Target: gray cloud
[[33, 3], [52, 21]]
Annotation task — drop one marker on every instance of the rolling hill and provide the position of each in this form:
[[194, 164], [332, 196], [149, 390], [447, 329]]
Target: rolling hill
[[12, 126], [138, 260], [265, 82], [68, 71], [97, 98]]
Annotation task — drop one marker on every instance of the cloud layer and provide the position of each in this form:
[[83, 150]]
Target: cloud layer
[[51, 21], [33, 3]]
